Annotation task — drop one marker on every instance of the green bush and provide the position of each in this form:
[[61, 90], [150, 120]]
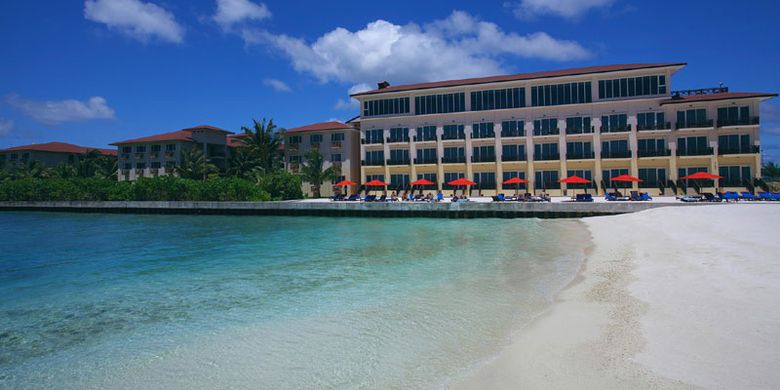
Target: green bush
[[281, 185]]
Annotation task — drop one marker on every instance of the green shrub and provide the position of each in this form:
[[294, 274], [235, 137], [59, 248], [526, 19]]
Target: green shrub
[[281, 185]]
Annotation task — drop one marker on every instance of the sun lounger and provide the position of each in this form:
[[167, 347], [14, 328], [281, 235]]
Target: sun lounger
[[710, 197], [747, 196], [370, 198], [644, 196], [776, 196], [690, 198], [353, 198], [765, 196], [729, 196], [584, 198]]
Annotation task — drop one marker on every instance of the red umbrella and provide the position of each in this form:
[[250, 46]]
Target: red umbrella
[[345, 183], [462, 182], [515, 180], [626, 178], [375, 183], [700, 175], [422, 182], [574, 179]]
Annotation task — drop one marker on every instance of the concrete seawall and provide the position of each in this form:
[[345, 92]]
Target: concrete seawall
[[292, 208]]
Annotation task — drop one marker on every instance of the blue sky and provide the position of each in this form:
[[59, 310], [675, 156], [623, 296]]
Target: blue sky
[[100, 71]]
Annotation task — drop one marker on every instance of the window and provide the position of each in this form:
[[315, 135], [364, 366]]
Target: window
[[651, 121], [693, 146], [337, 137], [375, 157], [579, 150], [633, 86], [734, 176], [583, 173], [692, 118], [482, 130], [399, 180], [733, 116], [170, 147], [546, 151], [735, 143], [485, 180], [615, 149], [485, 153], [399, 156], [513, 129], [453, 132], [553, 95], [614, 123], [140, 165], [140, 149], [498, 99], [128, 166], [454, 155], [155, 165], [127, 149], [547, 180], [375, 177], [651, 148], [386, 106], [578, 125], [336, 157], [426, 133], [608, 174], [399, 134], [513, 152], [156, 148], [375, 136], [426, 156], [451, 176], [440, 104], [652, 177], [547, 126], [294, 139], [315, 139]]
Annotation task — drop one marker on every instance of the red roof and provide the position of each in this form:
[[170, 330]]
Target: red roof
[[236, 140], [521, 76], [717, 96], [59, 147], [181, 135], [322, 126]]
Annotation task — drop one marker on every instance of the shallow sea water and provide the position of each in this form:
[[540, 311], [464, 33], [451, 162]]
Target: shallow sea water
[[153, 301]]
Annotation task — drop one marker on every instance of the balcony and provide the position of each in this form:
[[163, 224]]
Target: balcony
[[453, 159], [154, 155], [579, 130], [293, 147], [512, 133], [745, 149], [396, 140], [428, 160], [513, 157], [549, 185], [616, 129], [424, 139], [546, 133], [491, 185], [694, 125], [372, 141], [580, 156], [695, 152], [547, 157], [372, 163], [483, 159], [447, 137], [398, 161], [616, 154], [655, 126], [654, 153], [170, 154], [738, 122], [335, 144], [483, 136], [139, 156]]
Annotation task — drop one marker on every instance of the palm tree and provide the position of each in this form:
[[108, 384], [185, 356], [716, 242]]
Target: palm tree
[[264, 141], [195, 165], [771, 170], [312, 172], [87, 163], [244, 163], [64, 171]]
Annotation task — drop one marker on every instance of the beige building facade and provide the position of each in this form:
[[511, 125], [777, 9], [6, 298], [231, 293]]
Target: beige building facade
[[597, 123], [49, 154]]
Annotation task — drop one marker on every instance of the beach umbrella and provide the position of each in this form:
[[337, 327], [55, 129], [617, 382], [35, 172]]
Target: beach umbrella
[[701, 176], [626, 178], [421, 182], [517, 181], [462, 182], [574, 179], [375, 183], [345, 184]]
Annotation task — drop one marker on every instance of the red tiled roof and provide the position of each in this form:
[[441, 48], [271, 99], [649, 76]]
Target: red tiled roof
[[59, 147], [521, 76], [180, 135], [717, 96], [235, 141], [322, 126]]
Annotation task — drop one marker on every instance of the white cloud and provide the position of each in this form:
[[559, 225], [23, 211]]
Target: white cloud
[[349, 103], [456, 47], [278, 85], [231, 12], [6, 125], [57, 111], [135, 19], [564, 8]]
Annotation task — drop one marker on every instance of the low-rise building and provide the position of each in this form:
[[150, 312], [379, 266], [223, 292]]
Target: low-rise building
[[337, 142], [158, 155], [49, 154]]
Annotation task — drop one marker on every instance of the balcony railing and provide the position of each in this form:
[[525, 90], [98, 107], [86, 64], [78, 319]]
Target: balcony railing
[[747, 149], [426, 160], [580, 156], [424, 139], [694, 125], [695, 152], [372, 141], [453, 159], [169, 154], [476, 135], [655, 126], [482, 159], [335, 144], [513, 157], [538, 132], [372, 163], [616, 154], [547, 156], [486, 185], [395, 140], [654, 153], [580, 130], [512, 133], [397, 161], [615, 129], [446, 136], [738, 122], [549, 185]]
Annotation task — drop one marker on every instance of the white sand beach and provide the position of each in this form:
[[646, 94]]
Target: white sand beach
[[677, 297]]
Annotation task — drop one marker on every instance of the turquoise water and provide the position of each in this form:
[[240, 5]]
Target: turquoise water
[[150, 301]]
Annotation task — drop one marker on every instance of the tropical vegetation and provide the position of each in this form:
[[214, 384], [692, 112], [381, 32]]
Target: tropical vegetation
[[313, 173]]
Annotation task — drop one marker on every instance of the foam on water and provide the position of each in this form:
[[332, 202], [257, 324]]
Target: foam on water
[[129, 301]]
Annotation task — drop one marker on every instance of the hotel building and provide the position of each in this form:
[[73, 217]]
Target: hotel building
[[337, 142], [158, 155], [596, 122], [49, 154]]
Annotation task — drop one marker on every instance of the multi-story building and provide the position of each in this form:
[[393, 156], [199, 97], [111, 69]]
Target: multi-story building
[[337, 142], [50, 154], [158, 155], [597, 122]]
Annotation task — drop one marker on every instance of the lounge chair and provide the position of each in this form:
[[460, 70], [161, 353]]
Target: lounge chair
[[747, 196], [765, 196], [370, 198], [729, 196], [353, 198], [584, 198], [610, 197], [690, 198], [382, 198], [644, 196], [634, 196], [776, 196], [710, 197]]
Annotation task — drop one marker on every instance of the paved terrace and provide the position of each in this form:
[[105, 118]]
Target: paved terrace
[[475, 209]]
